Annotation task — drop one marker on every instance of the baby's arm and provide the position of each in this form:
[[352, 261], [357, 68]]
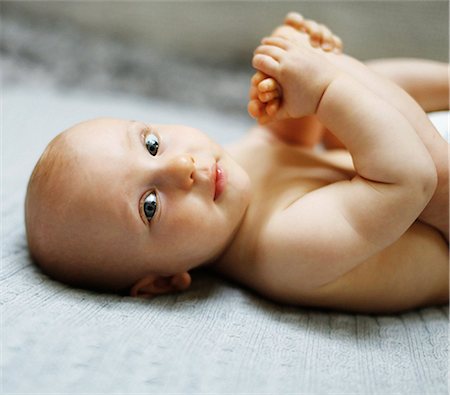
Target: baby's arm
[[426, 81], [335, 228]]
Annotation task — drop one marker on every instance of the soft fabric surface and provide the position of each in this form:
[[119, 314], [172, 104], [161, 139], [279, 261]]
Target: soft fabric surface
[[215, 338]]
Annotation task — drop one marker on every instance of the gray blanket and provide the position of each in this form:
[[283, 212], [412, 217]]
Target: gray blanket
[[215, 338]]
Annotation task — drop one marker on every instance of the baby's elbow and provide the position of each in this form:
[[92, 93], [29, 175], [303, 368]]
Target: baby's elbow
[[424, 181], [430, 183]]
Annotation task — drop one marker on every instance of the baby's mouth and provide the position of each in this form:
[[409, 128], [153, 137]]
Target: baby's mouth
[[220, 179]]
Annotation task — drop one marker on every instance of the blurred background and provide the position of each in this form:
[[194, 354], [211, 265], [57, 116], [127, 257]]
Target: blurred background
[[193, 52]]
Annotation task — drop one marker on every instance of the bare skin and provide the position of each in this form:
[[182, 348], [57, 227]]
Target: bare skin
[[89, 227], [425, 81], [337, 229], [343, 227]]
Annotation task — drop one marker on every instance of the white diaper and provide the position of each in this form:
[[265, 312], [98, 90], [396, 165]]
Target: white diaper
[[441, 120]]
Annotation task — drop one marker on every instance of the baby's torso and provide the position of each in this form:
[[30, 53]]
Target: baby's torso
[[280, 175]]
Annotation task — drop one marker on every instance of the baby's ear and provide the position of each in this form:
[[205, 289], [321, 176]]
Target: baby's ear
[[155, 284]]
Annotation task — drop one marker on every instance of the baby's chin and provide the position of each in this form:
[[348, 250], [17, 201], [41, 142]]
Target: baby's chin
[[241, 180]]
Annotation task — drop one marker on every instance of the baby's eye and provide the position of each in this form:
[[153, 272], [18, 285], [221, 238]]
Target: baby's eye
[[150, 205], [152, 144]]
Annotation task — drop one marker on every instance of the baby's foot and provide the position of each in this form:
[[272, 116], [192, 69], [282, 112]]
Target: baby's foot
[[265, 91], [319, 34], [302, 72]]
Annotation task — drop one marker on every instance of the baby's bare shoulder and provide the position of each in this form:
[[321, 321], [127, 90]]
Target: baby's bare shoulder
[[410, 273]]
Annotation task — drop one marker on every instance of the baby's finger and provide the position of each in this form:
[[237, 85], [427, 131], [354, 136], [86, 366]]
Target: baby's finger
[[267, 85], [255, 108], [253, 92], [264, 119], [266, 64], [270, 50], [276, 41], [268, 96], [258, 77], [272, 107]]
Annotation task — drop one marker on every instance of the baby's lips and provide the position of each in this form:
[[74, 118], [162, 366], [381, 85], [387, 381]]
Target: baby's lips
[[213, 176], [220, 181]]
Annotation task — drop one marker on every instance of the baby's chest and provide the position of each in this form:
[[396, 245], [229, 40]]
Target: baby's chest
[[396, 278], [279, 178], [280, 175]]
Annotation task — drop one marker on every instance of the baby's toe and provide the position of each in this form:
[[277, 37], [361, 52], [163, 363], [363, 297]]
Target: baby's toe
[[295, 20], [338, 45], [314, 31], [327, 41]]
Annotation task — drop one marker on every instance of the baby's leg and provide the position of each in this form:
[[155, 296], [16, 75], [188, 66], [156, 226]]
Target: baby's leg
[[426, 81], [436, 213]]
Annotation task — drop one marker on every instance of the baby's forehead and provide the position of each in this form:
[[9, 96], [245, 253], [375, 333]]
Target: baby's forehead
[[90, 129], [94, 136], [87, 177]]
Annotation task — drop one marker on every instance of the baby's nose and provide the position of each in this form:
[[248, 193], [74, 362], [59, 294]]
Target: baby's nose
[[179, 170]]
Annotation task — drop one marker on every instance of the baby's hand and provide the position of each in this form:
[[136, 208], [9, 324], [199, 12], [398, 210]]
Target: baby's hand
[[264, 97], [265, 92]]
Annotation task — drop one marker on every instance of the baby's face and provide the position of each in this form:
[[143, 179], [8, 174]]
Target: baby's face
[[164, 195]]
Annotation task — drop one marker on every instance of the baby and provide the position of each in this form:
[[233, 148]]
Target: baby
[[118, 205]]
